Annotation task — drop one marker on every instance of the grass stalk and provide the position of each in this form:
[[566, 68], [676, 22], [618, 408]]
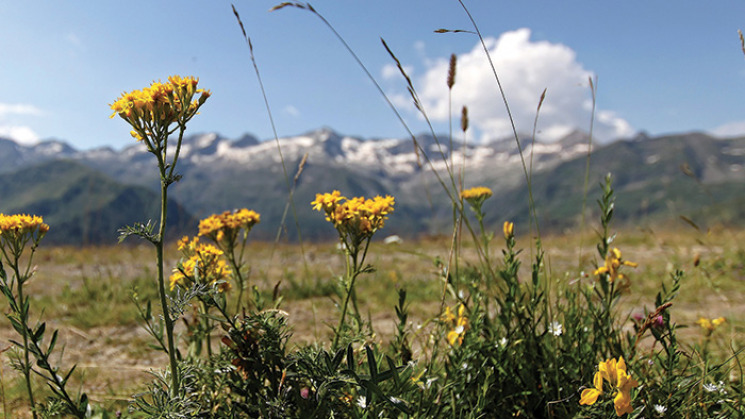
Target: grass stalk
[[290, 187], [586, 186], [531, 201]]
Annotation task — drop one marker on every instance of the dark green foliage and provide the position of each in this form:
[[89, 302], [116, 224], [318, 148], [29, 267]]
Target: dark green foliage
[[82, 205]]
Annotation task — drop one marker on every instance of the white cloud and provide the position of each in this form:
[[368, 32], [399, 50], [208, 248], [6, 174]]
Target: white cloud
[[20, 134], [291, 110], [731, 129], [18, 109], [391, 71], [525, 69]]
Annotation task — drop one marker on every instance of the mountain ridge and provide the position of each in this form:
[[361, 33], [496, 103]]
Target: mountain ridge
[[221, 174]]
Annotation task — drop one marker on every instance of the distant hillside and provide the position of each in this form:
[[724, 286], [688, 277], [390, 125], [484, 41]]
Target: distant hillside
[[83, 206], [657, 180]]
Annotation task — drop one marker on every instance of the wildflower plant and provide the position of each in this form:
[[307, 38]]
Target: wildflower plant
[[229, 231], [204, 274], [620, 382], [155, 113], [20, 236], [356, 221]]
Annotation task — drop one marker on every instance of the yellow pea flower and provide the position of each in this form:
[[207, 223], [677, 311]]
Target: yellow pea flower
[[590, 395], [614, 372], [613, 263], [508, 229]]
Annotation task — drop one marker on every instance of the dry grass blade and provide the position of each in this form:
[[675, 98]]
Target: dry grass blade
[[290, 205], [300, 168], [453, 31], [690, 222], [417, 103], [240, 22], [401, 70], [287, 4]]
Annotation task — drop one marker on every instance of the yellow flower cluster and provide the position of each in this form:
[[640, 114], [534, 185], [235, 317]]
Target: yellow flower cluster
[[458, 323], [224, 228], [356, 217], [614, 372], [153, 109], [20, 224], [476, 193], [613, 263], [710, 324], [203, 265]]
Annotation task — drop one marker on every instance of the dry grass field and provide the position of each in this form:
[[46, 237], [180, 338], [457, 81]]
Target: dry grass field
[[86, 293]]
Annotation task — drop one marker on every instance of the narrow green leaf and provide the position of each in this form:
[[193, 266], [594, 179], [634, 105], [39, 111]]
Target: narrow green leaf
[[371, 364]]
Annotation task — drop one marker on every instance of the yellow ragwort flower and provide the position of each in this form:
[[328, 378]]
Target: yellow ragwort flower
[[327, 201], [621, 383], [476, 193], [204, 264], [358, 217], [15, 227], [476, 196], [224, 228], [187, 245], [155, 108]]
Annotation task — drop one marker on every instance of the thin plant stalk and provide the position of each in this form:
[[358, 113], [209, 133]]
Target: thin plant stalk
[[159, 243], [290, 205], [531, 201], [26, 368], [353, 271], [593, 87]]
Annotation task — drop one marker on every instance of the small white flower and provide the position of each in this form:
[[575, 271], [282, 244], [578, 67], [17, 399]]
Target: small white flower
[[502, 342], [711, 387], [362, 402], [721, 388], [555, 328], [660, 410]]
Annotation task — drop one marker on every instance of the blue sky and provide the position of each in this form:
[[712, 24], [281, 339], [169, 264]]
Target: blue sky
[[662, 67]]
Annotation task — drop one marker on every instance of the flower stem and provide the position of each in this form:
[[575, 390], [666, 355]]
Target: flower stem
[[161, 281], [24, 322]]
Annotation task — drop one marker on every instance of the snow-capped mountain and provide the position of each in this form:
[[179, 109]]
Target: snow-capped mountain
[[221, 173], [391, 157]]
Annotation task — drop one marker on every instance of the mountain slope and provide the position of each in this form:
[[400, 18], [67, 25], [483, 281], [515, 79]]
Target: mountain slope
[[83, 206], [656, 180]]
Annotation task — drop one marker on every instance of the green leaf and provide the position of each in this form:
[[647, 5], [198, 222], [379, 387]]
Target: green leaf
[[371, 364], [39, 332], [350, 358], [52, 342]]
